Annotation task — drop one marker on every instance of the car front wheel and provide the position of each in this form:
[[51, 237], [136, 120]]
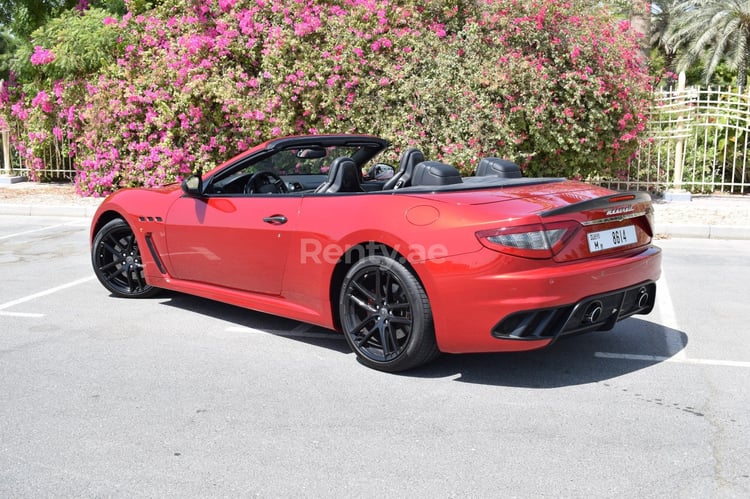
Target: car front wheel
[[386, 316], [117, 261]]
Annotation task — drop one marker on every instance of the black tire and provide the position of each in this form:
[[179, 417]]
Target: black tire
[[386, 316], [117, 261]]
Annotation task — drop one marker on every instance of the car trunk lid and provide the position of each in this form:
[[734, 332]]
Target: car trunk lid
[[613, 223], [608, 222]]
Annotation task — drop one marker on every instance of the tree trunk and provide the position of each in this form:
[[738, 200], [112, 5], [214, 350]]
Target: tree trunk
[[742, 69], [742, 73], [640, 22], [670, 59]]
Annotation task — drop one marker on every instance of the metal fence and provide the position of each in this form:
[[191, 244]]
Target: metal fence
[[58, 163], [697, 140]]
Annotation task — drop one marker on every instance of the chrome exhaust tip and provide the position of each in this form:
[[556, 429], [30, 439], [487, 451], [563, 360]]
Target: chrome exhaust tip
[[593, 312], [642, 297]]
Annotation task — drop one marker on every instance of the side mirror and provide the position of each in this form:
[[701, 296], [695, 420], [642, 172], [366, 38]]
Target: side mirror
[[193, 186], [380, 171]]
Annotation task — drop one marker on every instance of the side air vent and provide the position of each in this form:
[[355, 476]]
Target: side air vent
[[155, 254]]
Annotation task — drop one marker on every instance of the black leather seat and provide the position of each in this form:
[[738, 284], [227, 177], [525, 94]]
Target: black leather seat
[[344, 176], [411, 158]]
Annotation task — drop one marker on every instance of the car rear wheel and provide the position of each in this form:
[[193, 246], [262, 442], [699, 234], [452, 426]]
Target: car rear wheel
[[117, 261], [386, 316]]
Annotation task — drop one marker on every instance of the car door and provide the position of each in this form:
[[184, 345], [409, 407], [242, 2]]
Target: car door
[[238, 242]]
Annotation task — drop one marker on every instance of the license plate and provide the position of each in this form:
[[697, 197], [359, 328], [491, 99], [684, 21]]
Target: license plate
[[612, 238]]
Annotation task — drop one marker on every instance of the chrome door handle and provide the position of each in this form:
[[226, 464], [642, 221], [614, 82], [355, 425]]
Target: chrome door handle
[[276, 220]]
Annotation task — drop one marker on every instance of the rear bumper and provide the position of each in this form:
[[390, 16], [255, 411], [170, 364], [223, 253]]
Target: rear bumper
[[594, 313], [488, 302]]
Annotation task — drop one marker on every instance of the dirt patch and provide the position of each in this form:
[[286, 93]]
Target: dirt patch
[[31, 193], [705, 210]]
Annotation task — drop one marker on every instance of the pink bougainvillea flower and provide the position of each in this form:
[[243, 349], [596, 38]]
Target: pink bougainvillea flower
[[19, 111], [198, 80], [42, 102], [42, 56]]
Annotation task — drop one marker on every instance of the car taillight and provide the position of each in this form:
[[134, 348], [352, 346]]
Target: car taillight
[[530, 241]]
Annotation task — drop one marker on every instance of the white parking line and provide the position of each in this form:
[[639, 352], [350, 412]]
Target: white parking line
[[20, 314], [675, 347], [297, 332], [46, 292], [657, 358], [32, 231]]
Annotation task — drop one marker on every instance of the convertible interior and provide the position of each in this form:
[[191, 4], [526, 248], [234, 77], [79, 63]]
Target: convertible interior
[[344, 175]]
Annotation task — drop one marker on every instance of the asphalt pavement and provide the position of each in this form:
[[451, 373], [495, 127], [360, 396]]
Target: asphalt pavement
[[179, 396]]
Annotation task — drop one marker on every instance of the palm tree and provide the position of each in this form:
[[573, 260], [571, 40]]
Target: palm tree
[[664, 14], [715, 30]]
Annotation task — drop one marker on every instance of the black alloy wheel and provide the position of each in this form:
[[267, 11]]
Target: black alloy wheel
[[117, 261], [386, 316]]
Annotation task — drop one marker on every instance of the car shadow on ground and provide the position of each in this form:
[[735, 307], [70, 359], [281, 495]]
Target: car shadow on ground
[[245, 318], [634, 344]]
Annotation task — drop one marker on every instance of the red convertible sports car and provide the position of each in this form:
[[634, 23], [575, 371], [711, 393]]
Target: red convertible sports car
[[406, 262]]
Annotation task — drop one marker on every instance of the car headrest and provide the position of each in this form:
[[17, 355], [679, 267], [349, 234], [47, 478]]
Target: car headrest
[[500, 167], [429, 173]]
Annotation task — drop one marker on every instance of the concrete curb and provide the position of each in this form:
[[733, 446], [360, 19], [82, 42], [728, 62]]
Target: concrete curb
[[703, 231], [48, 210]]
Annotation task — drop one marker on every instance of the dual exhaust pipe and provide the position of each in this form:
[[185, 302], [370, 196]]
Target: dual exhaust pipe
[[595, 309]]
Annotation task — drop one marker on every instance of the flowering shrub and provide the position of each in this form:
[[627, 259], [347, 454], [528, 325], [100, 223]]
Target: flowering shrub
[[48, 88], [560, 91], [186, 85]]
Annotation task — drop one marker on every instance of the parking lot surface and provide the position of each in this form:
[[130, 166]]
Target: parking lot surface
[[178, 396]]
